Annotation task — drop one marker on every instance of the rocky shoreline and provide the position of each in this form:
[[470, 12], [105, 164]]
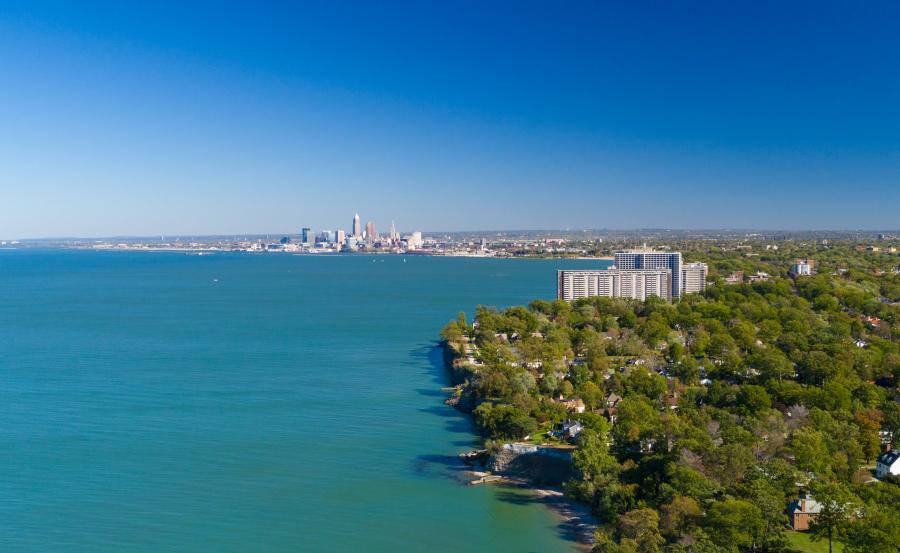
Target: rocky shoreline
[[536, 469]]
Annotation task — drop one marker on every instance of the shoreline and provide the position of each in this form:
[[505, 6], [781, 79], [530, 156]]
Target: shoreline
[[213, 250], [577, 522], [576, 519]]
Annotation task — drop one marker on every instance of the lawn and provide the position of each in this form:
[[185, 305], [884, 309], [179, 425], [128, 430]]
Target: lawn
[[799, 541]]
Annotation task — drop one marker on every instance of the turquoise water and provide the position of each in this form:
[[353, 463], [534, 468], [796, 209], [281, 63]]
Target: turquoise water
[[237, 402]]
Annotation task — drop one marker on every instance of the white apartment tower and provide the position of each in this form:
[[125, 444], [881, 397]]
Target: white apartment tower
[[637, 284], [647, 259]]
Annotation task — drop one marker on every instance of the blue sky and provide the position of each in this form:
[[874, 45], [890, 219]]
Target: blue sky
[[204, 118]]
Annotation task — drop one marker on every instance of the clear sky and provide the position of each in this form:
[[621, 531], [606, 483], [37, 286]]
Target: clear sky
[[205, 118]]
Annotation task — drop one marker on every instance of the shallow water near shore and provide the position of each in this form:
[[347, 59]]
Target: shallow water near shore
[[239, 402]]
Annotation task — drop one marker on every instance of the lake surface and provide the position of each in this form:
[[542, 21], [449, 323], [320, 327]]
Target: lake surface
[[239, 402]]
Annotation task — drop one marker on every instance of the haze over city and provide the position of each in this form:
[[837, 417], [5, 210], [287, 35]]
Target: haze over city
[[214, 118]]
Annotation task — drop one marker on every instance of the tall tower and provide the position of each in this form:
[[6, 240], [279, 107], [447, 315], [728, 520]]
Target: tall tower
[[357, 229], [393, 232], [649, 259], [370, 230]]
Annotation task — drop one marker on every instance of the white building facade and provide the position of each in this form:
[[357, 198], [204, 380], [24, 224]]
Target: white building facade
[[693, 278], [888, 463], [637, 284], [648, 259]]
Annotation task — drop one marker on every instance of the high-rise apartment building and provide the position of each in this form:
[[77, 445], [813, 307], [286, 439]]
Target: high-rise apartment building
[[647, 259], [693, 278], [637, 284]]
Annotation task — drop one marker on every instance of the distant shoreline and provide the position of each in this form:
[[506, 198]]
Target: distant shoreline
[[212, 251]]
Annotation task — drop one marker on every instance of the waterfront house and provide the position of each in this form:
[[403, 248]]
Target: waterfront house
[[571, 429], [888, 464]]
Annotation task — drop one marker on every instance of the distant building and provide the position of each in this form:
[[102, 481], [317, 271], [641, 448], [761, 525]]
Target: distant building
[[395, 236], [693, 278], [370, 231], [737, 277], [306, 236], [414, 241], [648, 259], [357, 228], [803, 267], [637, 284], [803, 510], [888, 463], [352, 243], [339, 237]]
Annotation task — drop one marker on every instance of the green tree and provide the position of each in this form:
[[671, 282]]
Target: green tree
[[679, 517], [504, 421], [637, 424], [876, 532], [734, 522], [639, 529], [751, 399], [869, 423], [838, 504], [592, 458], [810, 451]]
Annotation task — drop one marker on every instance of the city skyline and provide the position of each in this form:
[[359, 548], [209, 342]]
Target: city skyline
[[149, 120], [297, 230]]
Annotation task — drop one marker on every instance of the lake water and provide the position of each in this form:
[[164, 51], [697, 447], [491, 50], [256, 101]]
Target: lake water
[[239, 402]]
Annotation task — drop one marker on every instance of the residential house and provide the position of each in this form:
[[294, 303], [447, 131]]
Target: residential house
[[872, 321], [573, 405], [571, 429], [888, 463], [803, 510], [612, 402]]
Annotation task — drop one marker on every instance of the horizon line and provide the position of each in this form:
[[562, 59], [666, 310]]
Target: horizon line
[[482, 231]]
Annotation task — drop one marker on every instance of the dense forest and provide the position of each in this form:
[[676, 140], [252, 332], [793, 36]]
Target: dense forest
[[703, 419]]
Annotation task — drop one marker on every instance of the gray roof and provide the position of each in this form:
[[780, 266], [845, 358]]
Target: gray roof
[[889, 457], [812, 507]]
